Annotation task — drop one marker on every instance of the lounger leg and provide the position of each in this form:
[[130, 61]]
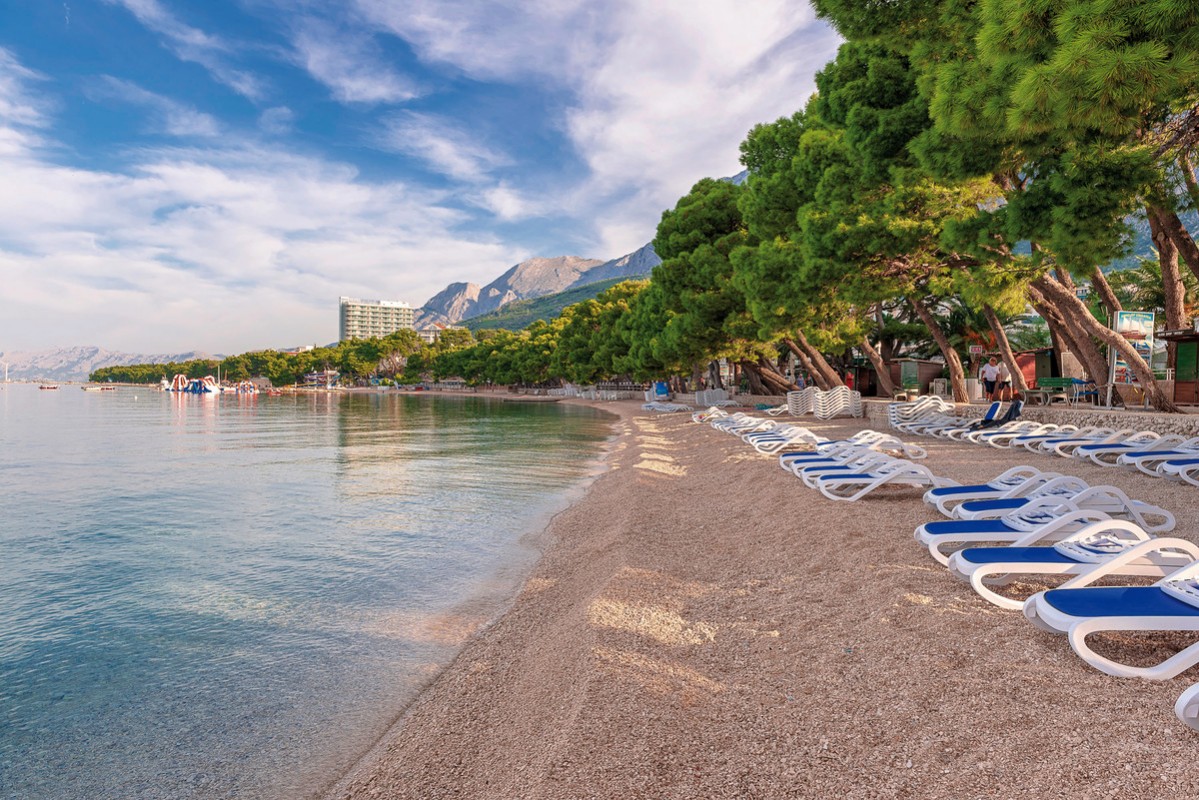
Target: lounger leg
[[1187, 707], [1174, 665]]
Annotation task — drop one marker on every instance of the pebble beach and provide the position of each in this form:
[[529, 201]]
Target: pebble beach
[[701, 625]]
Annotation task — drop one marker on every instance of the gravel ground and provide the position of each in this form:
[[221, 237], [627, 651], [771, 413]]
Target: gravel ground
[[701, 625]]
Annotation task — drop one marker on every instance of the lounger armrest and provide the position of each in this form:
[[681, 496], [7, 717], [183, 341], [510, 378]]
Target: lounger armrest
[[1135, 552], [1043, 532]]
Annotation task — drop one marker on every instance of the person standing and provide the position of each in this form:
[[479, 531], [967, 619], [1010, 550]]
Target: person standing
[[990, 376], [1003, 382]]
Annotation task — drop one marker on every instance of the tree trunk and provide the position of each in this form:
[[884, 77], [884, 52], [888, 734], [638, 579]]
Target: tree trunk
[[1173, 227], [1172, 288], [1110, 301], [880, 367], [807, 365], [753, 377], [1167, 256], [714, 381], [1066, 300], [957, 376], [1188, 177], [1075, 340], [818, 361], [774, 379], [1005, 349]]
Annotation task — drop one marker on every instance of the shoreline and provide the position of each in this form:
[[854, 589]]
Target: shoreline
[[699, 624]]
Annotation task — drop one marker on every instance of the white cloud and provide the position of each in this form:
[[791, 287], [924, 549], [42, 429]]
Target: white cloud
[[277, 120], [508, 204], [19, 106], [663, 91], [222, 248], [170, 116], [349, 65], [194, 45], [442, 145]]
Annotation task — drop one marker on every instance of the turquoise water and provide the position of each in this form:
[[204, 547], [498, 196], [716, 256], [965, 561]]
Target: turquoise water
[[234, 597]]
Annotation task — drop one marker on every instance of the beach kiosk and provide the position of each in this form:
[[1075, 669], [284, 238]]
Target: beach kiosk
[[1184, 361]]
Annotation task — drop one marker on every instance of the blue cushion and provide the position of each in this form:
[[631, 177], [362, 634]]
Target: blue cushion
[[840, 475], [968, 526], [1142, 453], [947, 491], [1118, 601], [1015, 555], [994, 504], [1089, 447], [1182, 462]]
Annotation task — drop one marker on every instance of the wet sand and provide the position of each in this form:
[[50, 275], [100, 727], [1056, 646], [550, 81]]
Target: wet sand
[[701, 625]]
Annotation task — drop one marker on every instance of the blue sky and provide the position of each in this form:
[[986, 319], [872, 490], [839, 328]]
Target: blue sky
[[214, 175]]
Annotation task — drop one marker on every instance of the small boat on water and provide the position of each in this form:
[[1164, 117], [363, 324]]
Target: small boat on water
[[45, 386]]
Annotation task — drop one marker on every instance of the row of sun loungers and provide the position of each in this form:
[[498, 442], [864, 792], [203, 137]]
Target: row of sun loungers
[[1028, 522], [1170, 456], [847, 469], [657, 405], [1056, 525]]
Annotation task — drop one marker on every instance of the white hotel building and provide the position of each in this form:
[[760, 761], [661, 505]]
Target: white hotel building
[[362, 319]]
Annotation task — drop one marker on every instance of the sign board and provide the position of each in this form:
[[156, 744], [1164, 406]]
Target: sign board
[[977, 349], [1137, 328]]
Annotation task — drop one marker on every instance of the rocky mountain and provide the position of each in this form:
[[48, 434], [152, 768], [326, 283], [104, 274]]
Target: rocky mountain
[[536, 277], [637, 264], [76, 363]]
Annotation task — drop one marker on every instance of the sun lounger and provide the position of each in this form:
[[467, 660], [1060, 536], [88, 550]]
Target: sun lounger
[[1078, 609], [862, 461], [1045, 520], [1066, 487], [1153, 462], [855, 486], [1106, 455], [986, 568], [1065, 447], [945, 498]]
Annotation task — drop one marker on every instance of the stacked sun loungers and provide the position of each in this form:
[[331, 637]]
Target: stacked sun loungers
[[714, 397], [838, 402]]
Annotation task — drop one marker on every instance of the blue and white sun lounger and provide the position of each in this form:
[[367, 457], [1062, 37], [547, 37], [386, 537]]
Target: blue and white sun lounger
[[1150, 462], [988, 567], [1106, 455], [856, 485], [1066, 487], [945, 498], [1043, 520], [1079, 609]]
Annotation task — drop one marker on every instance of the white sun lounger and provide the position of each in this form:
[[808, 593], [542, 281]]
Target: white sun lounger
[[945, 498], [1079, 609], [986, 568], [1044, 520], [855, 486]]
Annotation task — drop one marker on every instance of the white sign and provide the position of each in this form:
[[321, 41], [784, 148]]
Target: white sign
[[977, 350]]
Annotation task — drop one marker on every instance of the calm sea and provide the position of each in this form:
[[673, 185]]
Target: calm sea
[[234, 596]]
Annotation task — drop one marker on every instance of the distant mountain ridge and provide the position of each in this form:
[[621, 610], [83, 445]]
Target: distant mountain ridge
[[76, 363], [528, 280], [518, 315]]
